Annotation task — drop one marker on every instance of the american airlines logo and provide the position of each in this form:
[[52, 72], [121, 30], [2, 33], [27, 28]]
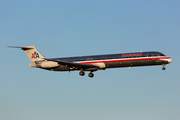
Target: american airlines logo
[[34, 55], [133, 54]]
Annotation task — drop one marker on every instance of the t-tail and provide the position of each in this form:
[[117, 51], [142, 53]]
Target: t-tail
[[31, 51]]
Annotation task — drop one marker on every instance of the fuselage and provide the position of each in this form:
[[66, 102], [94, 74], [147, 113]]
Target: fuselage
[[116, 60], [94, 62]]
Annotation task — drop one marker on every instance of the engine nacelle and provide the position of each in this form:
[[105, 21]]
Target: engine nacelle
[[100, 65], [49, 64]]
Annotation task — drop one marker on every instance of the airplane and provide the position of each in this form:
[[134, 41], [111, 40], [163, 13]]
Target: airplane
[[94, 62]]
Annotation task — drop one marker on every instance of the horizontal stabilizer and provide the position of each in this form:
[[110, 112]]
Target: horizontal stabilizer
[[22, 48]]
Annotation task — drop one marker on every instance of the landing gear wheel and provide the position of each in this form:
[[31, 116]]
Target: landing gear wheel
[[91, 75], [81, 73], [163, 68]]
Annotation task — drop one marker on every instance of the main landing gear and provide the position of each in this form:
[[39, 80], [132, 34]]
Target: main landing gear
[[91, 74], [82, 73]]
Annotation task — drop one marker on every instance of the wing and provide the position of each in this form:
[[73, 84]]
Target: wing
[[73, 65]]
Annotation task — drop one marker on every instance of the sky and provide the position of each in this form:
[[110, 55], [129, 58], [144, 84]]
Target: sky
[[78, 28]]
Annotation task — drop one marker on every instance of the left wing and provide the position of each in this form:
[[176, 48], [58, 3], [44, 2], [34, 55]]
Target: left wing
[[73, 65]]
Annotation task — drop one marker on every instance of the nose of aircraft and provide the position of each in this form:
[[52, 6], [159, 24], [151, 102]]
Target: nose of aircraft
[[169, 60]]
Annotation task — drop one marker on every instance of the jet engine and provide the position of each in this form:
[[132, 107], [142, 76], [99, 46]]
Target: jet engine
[[49, 64], [100, 65]]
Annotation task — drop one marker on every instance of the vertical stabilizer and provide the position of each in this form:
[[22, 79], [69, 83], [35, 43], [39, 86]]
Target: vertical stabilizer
[[31, 51]]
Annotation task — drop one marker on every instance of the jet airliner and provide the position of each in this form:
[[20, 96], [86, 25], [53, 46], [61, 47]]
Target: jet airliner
[[94, 62]]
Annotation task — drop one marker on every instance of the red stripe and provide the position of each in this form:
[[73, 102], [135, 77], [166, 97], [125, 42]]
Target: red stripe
[[118, 60]]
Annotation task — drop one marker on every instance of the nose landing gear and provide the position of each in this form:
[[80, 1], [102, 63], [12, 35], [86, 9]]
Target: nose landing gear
[[164, 67]]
